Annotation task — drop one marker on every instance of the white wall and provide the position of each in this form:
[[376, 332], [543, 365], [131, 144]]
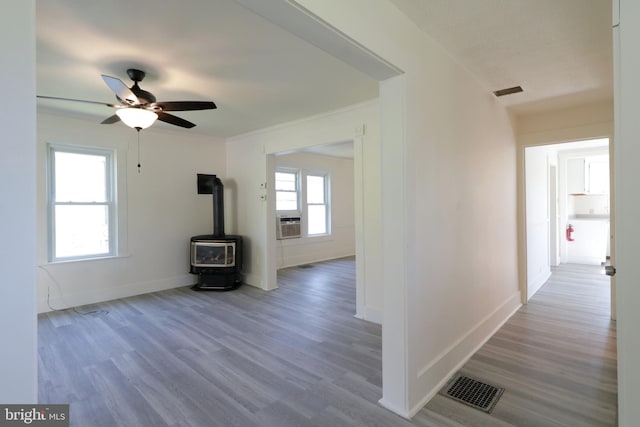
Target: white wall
[[584, 122], [627, 208], [341, 241], [449, 204], [251, 161], [159, 211], [18, 357], [537, 217]]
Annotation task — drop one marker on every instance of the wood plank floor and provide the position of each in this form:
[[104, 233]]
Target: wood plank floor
[[297, 357], [556, 358]]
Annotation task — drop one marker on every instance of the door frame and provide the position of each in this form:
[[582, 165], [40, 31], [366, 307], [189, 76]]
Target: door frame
[[542, 139]]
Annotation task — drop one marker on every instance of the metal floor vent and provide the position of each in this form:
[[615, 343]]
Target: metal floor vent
[[472, 392]]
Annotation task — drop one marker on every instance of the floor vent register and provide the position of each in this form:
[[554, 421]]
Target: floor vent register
[[472, 392]]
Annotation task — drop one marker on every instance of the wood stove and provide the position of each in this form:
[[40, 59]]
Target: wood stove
[[216, 258]]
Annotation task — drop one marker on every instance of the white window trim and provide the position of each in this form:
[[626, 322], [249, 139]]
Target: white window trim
[[111, 199]]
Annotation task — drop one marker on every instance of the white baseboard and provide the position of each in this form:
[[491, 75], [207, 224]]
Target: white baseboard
[[585, 260], [311, 259], [63, 301], [369, 314], [534, 285], [252, 280], [435, 375], [395, 409]]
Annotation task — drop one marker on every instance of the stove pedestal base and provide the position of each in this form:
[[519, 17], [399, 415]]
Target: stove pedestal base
[[217, 282]]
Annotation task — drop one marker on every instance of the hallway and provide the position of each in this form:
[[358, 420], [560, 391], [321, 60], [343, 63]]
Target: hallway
[[556, 358]]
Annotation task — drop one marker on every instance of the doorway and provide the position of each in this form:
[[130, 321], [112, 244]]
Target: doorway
[[317, 190], [568, 199], [348, 215]]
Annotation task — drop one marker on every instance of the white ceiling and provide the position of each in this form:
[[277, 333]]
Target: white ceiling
[[259, 75], [559, 51]]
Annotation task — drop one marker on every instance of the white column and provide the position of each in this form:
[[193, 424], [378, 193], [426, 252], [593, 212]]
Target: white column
[[627, 208], [18, 327]]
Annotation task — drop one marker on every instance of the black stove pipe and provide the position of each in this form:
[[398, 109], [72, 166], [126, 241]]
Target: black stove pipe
[[218, 208]]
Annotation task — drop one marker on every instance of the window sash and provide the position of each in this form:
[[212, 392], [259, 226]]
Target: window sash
[[287, 190], [88, 183], [317, 204], [286, 201], [286, 181], [82, 234], [317, 219]]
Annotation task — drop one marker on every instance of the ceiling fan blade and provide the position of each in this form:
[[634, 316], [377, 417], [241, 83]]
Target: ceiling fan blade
[[184, 105], [76, 100], [121, 90], [111, 119], [174, 120]]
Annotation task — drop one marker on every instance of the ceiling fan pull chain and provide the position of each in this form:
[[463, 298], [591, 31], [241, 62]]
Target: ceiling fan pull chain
[[138, 129]]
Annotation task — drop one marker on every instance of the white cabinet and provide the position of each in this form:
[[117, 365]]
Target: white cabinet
[[575, 176], [588, 175], [590, 242], [597, 174]]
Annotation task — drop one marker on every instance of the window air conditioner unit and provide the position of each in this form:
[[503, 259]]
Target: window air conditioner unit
[[288, 227]]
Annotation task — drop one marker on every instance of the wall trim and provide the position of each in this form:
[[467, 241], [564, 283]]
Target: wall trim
[[395, 409], [296, 261], [254, 280], [535, 284], [370, 314], [465, 347], [300, 21], [96, 296], [309, 119], [589, 131]]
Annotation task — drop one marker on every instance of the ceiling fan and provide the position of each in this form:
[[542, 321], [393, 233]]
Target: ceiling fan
[[138, 108]]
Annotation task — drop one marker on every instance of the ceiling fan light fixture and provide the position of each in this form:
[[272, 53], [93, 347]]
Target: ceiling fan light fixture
[[137, 118]]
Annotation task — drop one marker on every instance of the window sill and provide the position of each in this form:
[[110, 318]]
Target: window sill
[[96, 258], [305, 240], [318, 236]]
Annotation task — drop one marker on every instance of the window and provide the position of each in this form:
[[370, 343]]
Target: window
[[81, 204], [317, 207], [304, 194], [287, 190]]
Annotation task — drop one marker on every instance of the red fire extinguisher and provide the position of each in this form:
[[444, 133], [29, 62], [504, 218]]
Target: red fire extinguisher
[[569, 231]]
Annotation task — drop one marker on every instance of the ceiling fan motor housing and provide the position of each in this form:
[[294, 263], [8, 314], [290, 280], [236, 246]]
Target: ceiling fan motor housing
[[136, 75], [143, 96]]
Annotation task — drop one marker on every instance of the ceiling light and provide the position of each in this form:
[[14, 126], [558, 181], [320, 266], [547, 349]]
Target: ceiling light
[[137, 118]]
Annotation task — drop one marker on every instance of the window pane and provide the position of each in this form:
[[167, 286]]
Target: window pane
[[81, 230], [285, 181], [317, 219], [286, 201], [315, 189], [80, 177]]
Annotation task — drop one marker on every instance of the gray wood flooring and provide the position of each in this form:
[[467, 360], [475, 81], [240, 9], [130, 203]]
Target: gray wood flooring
[[297, 357], [556, 358]]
